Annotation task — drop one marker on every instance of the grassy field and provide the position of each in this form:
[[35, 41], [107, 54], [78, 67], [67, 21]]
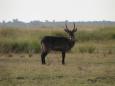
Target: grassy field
[[90, 63], [80, 70]]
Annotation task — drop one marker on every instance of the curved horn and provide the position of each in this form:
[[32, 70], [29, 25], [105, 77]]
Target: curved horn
[[74, 29], [66, 29], [74, 25], [66, 25]]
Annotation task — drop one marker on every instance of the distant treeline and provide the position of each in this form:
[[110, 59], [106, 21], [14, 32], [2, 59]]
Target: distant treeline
[[52, 24]]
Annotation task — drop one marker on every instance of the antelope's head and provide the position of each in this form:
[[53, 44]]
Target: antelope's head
[[71, 32]]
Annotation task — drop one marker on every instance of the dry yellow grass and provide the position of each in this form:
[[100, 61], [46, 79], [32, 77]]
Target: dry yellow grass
[[80, 69]]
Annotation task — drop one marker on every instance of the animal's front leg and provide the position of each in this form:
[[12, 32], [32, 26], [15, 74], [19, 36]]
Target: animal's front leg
[[63, 58]]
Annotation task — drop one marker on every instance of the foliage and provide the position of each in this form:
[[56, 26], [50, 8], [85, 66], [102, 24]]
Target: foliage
[[28, 40]]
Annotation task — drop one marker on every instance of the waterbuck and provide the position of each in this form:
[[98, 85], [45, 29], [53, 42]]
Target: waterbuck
[[56, 43]]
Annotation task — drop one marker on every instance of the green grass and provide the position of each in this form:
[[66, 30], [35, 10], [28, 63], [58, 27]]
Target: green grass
[[87, 49], [26, 40], [103, 34]]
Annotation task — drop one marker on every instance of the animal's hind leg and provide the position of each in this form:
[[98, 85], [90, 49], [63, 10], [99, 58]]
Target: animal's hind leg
[[43, 55]]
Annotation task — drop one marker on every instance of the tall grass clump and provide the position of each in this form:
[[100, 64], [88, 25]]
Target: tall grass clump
[[19, 47], [19, 40], [87, 49], [103, 34]]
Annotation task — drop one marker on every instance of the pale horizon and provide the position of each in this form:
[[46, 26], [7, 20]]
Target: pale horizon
[[58, 10]]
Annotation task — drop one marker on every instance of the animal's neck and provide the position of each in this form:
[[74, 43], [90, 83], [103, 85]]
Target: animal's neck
[[72, 42]]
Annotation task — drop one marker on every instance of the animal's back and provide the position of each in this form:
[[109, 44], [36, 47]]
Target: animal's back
[[56, 43]]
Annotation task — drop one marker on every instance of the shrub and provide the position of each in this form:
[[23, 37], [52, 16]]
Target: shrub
[[86, 49], [19, 47], [107, 33]]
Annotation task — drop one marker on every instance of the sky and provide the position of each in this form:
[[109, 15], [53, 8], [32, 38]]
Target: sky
[[59, 10]]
